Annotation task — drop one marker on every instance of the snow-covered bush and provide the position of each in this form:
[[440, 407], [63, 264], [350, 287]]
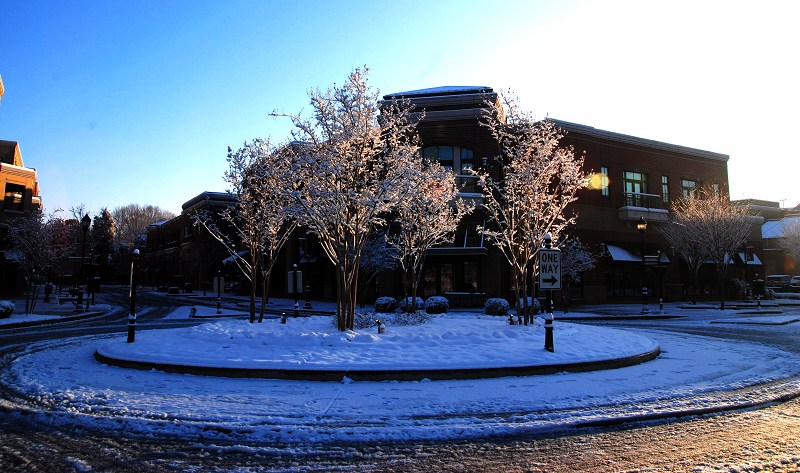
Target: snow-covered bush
[[405, 304], [364, 319], [533, 302], [496, 306], [738, 289], [411, 318], [6, 308], [437, 305], [385, 304]]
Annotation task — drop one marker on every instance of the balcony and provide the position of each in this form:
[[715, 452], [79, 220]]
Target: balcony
[[637, 205]]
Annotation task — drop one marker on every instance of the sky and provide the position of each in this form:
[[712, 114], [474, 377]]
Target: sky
[[137, 102]]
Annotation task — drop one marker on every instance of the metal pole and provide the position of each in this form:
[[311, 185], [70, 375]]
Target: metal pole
[[296, 291], [132, 315], [548, 317], [219, 292]]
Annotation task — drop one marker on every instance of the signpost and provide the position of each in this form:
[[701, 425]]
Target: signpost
[[549, 279]]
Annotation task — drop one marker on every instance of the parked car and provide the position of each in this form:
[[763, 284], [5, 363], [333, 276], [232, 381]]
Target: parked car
[[778, 282], [794, 284]]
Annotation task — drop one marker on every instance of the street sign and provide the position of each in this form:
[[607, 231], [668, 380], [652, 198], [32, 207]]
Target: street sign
[[549, 268]]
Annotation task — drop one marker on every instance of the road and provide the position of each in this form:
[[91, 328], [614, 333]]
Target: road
[[766, 439]]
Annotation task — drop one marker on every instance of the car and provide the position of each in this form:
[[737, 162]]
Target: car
[[794, 284], [778, 282]]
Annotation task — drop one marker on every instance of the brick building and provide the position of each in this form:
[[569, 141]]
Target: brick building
[[634, 178]]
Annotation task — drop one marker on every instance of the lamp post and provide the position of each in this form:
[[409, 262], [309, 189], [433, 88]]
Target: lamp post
[[548, 316], [642, 227], [219, 292], [132, 315], [86, 222], [296, 290]]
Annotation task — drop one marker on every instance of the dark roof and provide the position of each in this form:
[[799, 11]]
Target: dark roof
[[440, 91], [619, 137], [210, 197]]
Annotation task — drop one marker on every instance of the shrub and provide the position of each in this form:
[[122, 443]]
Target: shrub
[[385, 304], [6, 308], [437, 305], [411, 318], [363, 319], [405, 304], [496, 306], [533, 302]]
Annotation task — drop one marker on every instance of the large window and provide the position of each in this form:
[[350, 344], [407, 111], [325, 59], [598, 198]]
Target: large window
[[604, 181], [457, 159], [665, 189], [635, 184]]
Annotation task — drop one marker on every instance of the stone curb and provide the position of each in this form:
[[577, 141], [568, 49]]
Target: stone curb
[[382, 375]]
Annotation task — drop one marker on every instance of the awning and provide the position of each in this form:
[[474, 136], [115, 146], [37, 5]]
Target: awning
[[743, 258], [13, 256], [621, 254], [231, 259]]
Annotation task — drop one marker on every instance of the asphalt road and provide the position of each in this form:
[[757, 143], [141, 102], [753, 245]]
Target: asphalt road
[[765, 439]]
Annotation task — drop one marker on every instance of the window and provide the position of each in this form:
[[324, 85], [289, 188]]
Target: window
[[13, 197], [457, 159], [471, 276], [451, 157], [688, 186], [665, 189], [604, 181], [635, 184]]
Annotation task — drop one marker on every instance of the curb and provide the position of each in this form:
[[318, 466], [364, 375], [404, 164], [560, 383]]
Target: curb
[[382, 375], [60, 319]]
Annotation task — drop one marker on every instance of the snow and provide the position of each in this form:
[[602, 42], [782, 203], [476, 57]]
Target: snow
[[693, 374]]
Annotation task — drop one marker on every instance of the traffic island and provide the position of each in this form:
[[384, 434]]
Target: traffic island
[[446, 348]]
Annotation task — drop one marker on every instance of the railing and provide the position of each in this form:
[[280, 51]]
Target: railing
[[638, 199], [467, 184]]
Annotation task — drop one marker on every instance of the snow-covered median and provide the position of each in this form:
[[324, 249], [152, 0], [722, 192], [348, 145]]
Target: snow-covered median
[[447, 342]]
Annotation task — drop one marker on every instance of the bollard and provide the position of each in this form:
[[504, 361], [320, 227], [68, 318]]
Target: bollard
[[661, 304], [283, 317], [381, 326], [193, 312], [510, 320], [548, 332]]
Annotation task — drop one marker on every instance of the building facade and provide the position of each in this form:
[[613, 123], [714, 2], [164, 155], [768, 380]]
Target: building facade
[[633, 179]]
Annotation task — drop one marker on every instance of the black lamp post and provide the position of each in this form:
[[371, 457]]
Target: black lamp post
[[296, 290], [219, 291], [642, 227], [132, 315], [548, 316], [86, 222]]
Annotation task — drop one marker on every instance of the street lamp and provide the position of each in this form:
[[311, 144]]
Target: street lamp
[[86, 222], [219, 292], [548, 317], [642, 227], [132, 315]]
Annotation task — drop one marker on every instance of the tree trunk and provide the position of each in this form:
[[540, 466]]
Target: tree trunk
[[264, 294]]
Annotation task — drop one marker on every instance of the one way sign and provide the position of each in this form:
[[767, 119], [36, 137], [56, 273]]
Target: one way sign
[[549, 268]]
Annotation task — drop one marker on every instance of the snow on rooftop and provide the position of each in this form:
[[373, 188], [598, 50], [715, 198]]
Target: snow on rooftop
[[443, 90]]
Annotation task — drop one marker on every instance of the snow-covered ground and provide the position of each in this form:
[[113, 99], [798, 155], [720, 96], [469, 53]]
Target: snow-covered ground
[[695, 374]]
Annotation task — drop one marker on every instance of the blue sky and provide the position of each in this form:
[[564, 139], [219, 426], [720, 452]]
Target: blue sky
[[118, 102]]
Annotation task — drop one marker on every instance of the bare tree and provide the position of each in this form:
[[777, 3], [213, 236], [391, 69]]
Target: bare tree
[[260, 175], [377, 256], [576, 258], [43, 241], [428, 216], [350, 157], [539, 180], [683, 233], [708, 218], [132, 220], [790, 239]]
